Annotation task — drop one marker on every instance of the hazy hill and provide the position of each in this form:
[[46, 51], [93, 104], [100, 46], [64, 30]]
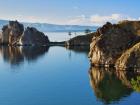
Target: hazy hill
[[45, 27]]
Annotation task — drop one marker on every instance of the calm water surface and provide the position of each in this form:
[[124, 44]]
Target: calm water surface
[[62, 36], [58, 76]]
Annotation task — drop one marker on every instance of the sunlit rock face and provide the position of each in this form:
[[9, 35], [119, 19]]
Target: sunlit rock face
[[130, 59], [111, 85], [32, 36], [112, 40], [12, 32]]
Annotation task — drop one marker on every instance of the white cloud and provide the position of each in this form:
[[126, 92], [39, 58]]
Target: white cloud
[[23, 18], [99, 20], [96, 19], [77, 20], [113, 18]]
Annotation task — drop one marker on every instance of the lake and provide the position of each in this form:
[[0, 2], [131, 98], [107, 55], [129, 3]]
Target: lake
[[60, 76], [62, 36]]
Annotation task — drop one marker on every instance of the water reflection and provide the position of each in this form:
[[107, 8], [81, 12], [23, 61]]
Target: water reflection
[[111, 86], [79, 49], [17, 55]]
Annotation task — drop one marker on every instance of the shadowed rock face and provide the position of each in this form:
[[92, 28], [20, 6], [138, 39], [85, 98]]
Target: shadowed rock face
[[32, 36], [111, 85], [12, 32], [111, 41], [83, 40]]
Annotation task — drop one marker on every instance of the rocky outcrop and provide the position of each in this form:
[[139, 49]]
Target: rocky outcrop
[[112, 40], [32, 36], [83, 40], [12, 32], [130, 59]]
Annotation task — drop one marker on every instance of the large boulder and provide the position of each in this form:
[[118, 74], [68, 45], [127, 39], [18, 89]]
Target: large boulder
[[112, 40], [12, 32], [32, 36]]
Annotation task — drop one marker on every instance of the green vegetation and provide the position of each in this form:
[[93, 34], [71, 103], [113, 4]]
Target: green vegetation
[[136, 83]]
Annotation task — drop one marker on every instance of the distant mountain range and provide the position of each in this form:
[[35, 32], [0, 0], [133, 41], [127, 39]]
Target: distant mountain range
[[45, 27]]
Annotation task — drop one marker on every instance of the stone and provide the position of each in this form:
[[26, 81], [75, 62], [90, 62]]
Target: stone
[[32, 36], [129, 59], [112, 40], [83, 40], [12, 32]]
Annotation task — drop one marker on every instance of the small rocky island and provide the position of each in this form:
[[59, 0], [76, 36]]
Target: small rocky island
[[116, 45], [14, 34]]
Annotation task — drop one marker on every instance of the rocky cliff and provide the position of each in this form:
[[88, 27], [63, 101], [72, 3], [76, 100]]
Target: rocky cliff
[[13, 34], [112, 40], [130, 58], [83, 40], [32, 36]]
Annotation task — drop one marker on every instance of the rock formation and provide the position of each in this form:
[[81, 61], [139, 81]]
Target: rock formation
[[130, 58], [12, 32], [112, 40], [83, 40], [32, 36]]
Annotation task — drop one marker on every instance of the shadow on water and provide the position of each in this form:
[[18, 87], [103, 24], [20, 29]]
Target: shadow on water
[[18, 55], [111, 85], [79, 49]]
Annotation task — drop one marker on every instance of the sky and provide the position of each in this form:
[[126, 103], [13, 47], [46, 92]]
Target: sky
[[76, 12]]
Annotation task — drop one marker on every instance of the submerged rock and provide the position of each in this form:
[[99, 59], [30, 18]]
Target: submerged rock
[[12, 32], [112, 40], [32, 36]]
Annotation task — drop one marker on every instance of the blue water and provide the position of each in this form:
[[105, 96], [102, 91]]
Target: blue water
[[62, 36], [50, 76]]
